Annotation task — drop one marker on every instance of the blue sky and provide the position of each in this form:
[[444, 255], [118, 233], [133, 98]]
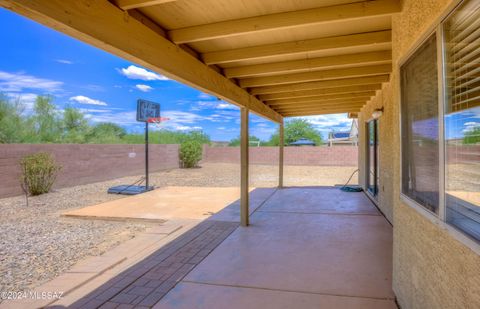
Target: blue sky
[[37, 60]]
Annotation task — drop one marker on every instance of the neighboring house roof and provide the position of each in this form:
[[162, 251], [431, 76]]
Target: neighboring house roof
[[303, 142], [341, 134]]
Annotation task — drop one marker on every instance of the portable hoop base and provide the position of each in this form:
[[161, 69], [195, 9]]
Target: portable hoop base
[[129, 190]]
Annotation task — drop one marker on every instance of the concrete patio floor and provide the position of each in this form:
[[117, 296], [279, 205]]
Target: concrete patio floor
[[305, 248]]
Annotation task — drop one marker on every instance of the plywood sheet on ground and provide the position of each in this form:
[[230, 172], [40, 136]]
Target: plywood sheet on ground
[[164, 204]]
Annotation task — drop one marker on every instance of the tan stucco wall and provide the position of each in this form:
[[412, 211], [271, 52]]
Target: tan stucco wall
[[386, 151], [431, 268]]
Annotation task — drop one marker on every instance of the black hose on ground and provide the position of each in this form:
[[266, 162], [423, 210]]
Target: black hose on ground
[[348, 188]]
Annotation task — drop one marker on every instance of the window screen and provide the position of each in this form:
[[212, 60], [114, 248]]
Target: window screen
[[420, 148], [462, 118]]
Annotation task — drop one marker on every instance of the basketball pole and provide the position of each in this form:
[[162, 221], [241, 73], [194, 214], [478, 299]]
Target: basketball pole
[[146, 156]]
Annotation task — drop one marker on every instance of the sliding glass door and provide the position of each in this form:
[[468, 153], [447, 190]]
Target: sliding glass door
[[372, 157]]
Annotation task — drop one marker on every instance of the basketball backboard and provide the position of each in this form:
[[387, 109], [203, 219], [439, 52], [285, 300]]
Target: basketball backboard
[[147, 110]]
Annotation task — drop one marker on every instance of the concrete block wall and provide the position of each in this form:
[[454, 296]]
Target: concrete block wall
[[316, 156], [82, 164]]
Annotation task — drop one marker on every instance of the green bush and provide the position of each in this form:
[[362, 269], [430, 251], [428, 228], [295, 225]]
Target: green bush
[[190, 153], [39, 171]]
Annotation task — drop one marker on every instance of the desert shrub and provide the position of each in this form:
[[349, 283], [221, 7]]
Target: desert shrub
[[39, 171], [190, 153]]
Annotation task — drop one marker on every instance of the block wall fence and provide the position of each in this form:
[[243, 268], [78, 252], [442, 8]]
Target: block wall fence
[[86, 163], [82, 163], [313, 156]]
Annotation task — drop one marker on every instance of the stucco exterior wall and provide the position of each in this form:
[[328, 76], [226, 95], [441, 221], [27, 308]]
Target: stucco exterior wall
[[431, 267], [386, 151]]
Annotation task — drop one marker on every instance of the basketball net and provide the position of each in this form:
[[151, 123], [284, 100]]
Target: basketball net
[[157, 121]]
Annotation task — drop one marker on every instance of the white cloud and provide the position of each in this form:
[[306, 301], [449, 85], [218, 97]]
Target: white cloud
[[26, 99], [182, 117], [64, 61], [257, 119], [122, 118], [17, 82], [213, 104], [86, 100], [470, 126], [184, 121], [263, 133], [134, 72], [186, 128], [205, 96], [144, 88], [94, 110], [326, 123], [178, 120], [226, 106]]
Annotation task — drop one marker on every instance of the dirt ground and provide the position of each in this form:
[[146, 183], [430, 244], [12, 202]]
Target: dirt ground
[[38, 244], [226, 174]]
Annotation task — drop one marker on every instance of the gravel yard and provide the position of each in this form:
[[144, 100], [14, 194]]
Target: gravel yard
[[37, 244]]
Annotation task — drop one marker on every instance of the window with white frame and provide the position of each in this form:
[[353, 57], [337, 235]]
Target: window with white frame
[[424, 144], [420, 157], [462, 118]]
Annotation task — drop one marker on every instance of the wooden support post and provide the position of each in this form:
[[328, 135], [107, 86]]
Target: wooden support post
[[280, 156], [244, 196]]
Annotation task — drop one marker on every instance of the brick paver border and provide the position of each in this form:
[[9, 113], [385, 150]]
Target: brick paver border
[[145, 283]]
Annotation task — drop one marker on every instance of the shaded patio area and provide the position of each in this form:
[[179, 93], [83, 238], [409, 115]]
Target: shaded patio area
[[306, 247]]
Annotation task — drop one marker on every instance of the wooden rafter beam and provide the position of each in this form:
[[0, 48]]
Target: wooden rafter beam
[[336, 97], [321, 84], [319, 92], [135, 4], [331, 62], [102, 24], [316, 16], [345, 108], [319, 103], [315, 76], [351, 107], [320, 112], [380, 39]]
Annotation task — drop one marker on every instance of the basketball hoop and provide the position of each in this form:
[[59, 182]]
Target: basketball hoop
[[157, 120]]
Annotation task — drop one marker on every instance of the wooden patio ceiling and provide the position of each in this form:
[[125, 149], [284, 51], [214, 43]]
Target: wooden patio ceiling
[[279, 58], [339, 49]]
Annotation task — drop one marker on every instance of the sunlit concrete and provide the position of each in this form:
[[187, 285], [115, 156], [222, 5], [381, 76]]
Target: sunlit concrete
[[174, 202], [201, 296], [305, 248]]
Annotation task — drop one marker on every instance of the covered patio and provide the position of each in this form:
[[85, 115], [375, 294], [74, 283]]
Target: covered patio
[[306, 247], [273, 58]]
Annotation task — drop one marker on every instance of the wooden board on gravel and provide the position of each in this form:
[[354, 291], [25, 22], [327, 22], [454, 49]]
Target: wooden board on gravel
[[163, 204]]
